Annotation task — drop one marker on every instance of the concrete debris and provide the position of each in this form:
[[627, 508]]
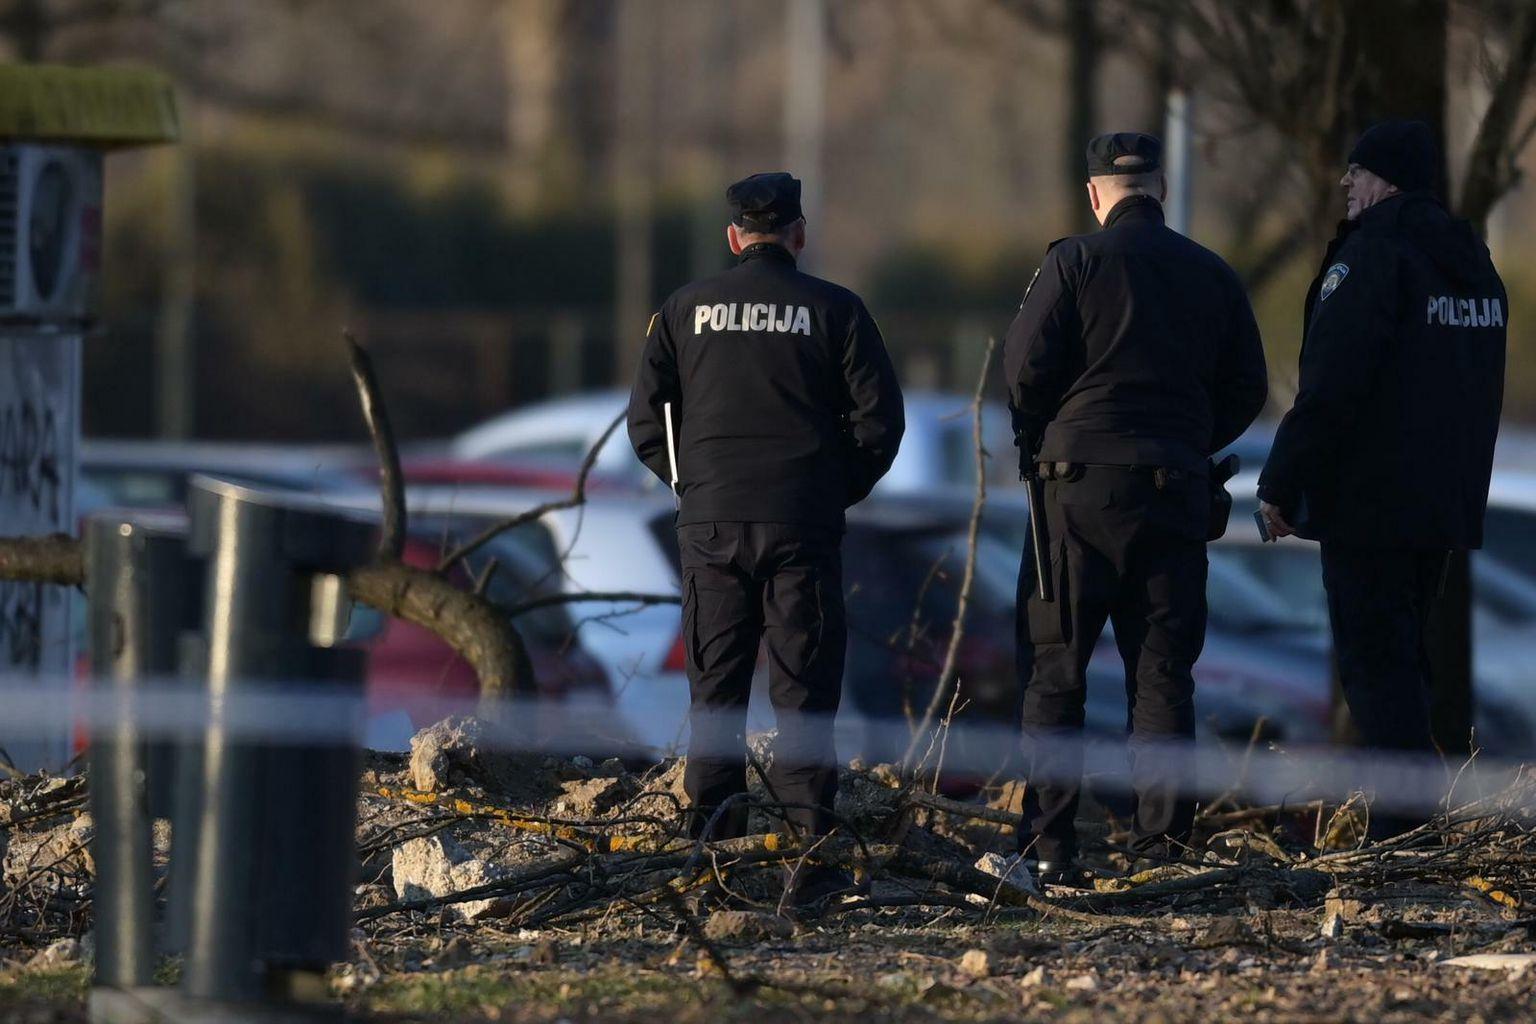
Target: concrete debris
[[977, 963], [455, 752], [456, 952], [60, 953], [1337, 912], [1515, 963], [1012, 871], [349, 979], [1226, 931], [746, 927], [51, 858], [438, 866], [1082, 983], [588, 798]]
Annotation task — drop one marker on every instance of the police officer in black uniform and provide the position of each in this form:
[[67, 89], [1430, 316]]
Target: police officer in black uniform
[[1387, 453], [1134, 356], [786, 411]]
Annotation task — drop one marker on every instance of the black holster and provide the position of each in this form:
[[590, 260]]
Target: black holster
[[1221, 501]]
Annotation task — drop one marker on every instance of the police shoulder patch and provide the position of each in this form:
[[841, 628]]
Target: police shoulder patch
[[1332, 278]]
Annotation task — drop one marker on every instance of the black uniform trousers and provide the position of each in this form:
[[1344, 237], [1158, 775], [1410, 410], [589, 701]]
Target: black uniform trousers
[[1379, 602], [745, 583], [1125, 551]]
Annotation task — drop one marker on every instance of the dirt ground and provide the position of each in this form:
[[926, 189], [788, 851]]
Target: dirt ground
[[505, 889]]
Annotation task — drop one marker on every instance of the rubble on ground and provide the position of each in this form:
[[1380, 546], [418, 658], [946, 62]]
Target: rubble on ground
[[472, 862]]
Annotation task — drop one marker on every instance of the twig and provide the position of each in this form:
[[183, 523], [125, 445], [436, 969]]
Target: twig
[[957, 633], [961, 809], [577, 597], [376, 415], [483, 583], [578, 497]]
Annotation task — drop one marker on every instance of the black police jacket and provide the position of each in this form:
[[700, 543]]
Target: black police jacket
[[1390, 442], [1134, 346], [784, 400]]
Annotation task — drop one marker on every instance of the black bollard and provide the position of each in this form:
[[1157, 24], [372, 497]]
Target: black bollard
[[271, 842], [142, 597]]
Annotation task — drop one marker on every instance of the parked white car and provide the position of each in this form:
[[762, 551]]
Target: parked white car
[[938, 449]]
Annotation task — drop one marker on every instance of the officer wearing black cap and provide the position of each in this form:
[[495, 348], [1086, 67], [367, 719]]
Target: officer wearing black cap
[[767, 396], [1134, 356], [1387, 453]]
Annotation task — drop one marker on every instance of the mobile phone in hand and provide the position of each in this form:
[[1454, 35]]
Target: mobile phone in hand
[[1264, 534]]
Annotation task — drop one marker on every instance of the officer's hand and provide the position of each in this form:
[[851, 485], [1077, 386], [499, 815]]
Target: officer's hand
[[1278, 527]]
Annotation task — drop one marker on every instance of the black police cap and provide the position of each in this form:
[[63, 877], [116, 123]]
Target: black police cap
[[1124, 153], [765, 201]]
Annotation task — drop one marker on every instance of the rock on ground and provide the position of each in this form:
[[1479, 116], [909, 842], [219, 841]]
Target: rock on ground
[[976, 962], [439, 866], [61, 953], [50, 857], [746, 927], [456, 750]]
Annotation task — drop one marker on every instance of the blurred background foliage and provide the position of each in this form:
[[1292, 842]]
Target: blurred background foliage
[[495, 193]]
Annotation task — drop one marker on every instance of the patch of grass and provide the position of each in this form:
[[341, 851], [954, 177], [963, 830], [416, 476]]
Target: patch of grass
[[55, 986], [168, 971], [486, 991], [630, 994]]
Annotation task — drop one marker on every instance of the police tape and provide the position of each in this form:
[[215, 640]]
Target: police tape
[[180, 712]]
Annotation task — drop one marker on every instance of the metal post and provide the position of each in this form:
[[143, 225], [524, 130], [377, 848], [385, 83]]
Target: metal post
[[142, 597], [1178, 143], [805, 87], [269, 891]]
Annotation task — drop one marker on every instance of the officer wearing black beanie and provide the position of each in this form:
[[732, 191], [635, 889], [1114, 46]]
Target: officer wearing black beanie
[[1400, 152], [1386, 455]]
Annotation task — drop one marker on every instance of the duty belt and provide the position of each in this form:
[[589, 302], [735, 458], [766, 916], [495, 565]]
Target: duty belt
[[1068, 472]]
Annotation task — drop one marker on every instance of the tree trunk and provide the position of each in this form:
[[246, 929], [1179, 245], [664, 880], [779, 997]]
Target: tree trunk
[[1085, 50]]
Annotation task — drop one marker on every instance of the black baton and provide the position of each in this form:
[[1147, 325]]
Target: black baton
[[1039, 541]]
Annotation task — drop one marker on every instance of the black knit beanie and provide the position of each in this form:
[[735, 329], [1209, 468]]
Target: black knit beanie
[[1401, 152]]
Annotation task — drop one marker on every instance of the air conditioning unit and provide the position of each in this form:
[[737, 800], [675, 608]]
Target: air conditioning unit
[[50, 233]]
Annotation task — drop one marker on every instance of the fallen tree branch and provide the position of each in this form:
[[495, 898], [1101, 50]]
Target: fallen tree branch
[[961, 809], [376, 415], [57, 558], [475, 628], [478, 632]]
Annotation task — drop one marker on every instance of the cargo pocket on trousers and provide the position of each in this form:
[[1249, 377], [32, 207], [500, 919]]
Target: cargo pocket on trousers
[[802, 615], [691, 619], [1048, 621]]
